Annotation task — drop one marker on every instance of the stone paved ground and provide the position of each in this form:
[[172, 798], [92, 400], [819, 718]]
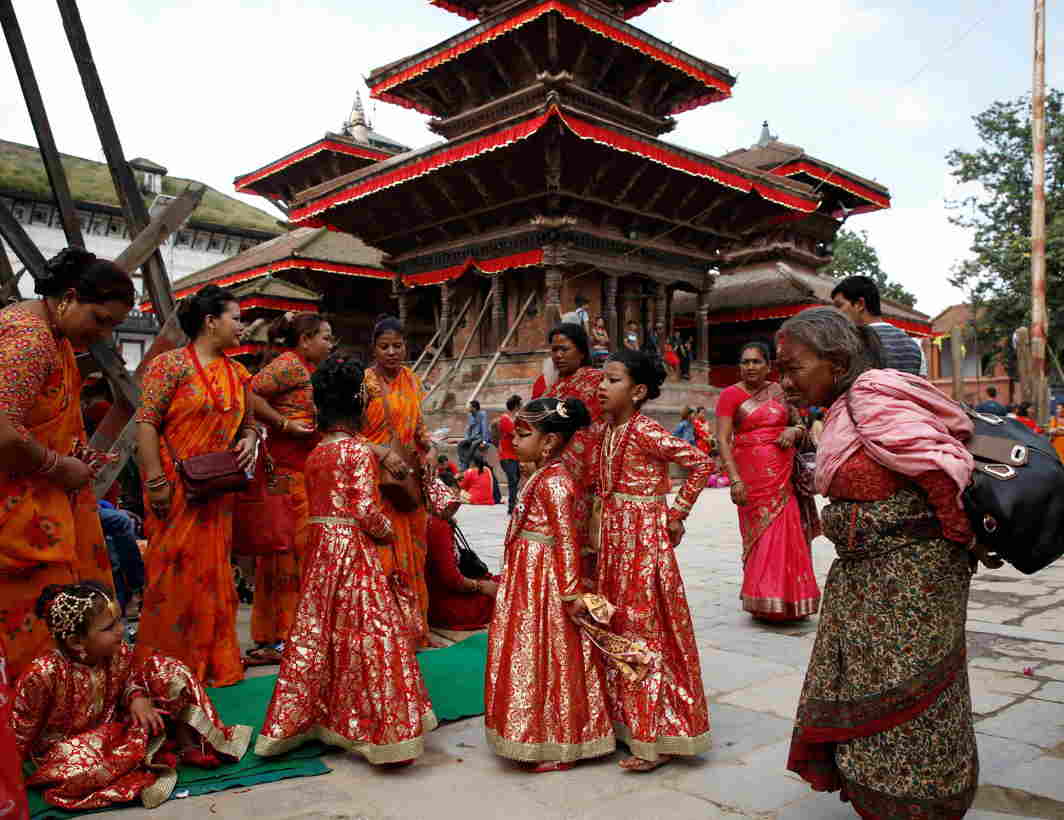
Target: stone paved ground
[[753, 675]]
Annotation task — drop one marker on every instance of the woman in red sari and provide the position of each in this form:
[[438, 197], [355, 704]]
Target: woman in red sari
[[664, 714], [49, 522], [758, 432], [570, 353], [284, 400], [455, 602], [544, 701], [885, 716], [392, 423], [91, 719], [348, 674], [194, 401]]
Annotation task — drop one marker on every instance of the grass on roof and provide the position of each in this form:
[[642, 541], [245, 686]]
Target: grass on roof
[[22, 169]]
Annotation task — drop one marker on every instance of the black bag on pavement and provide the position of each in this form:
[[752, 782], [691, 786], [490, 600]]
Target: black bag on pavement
[[1015, 500], [469, 563]]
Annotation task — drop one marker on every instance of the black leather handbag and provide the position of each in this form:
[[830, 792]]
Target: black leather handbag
[[469, 563], [1015, 500]]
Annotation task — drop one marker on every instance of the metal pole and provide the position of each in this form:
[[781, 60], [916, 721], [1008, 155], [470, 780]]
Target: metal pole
[[956, 349], [1038, 217]]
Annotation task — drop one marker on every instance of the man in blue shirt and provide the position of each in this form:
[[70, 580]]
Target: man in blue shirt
[[992, 405], [477, 433]]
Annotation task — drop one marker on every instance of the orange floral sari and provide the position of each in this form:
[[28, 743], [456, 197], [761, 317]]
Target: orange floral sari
[[285, 384], [47, 536], [190, 603], [401, 420]]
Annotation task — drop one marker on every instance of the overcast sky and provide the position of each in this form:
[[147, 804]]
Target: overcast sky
[[215, 89]]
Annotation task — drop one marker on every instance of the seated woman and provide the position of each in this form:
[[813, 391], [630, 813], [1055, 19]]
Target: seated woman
[[478, 482], [94, 721], [455, 602]]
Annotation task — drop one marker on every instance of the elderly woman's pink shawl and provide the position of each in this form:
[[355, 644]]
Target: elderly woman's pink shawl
[[902, 422]]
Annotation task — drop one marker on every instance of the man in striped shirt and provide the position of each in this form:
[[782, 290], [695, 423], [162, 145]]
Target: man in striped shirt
[[858, 298]]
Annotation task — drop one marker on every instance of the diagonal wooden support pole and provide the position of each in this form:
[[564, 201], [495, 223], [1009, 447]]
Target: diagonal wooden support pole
[[8, 279], [41, 127], [133, 207]]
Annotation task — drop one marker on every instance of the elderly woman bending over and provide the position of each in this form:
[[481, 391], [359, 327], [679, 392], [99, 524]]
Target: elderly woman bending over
[[885, 716]]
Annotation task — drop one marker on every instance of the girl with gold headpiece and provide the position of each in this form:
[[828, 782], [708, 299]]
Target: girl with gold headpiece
[[544, 698], [102, 729]]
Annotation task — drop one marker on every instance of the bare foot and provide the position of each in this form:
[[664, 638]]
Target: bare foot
[[551, 766], [637, 764]]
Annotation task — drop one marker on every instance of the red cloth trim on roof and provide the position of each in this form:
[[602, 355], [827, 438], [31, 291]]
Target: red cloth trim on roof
[[835, 179], [580, 18], [275, 303], [290, 263], [488, 266], [461, 12], [243, 182], [305, 215], [786, 311]]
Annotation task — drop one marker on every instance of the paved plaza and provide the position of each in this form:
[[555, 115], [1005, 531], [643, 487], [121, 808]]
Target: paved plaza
[[753, 676]]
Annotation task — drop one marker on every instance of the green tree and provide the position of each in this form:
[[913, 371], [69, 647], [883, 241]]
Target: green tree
[[853, 254], [997, 274]]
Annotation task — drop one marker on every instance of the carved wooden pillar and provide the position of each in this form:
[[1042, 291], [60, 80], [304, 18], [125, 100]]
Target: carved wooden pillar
[[446, 292], [498, 311], [702, 327], [609, 309], [661, 306], [402, 303], [553, 298]]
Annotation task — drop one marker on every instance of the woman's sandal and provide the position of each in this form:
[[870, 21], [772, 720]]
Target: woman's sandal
[[262, 656], [550, 766], [637, 764]]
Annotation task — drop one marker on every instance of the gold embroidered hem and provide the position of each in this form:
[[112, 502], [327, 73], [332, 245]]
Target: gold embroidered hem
[[375, 754], [777, 606], [672, 746], [158, 792], [236, 747], [332, 519], [544, 752]]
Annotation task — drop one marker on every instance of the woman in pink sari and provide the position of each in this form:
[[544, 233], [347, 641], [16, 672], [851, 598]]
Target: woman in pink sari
[[757, 432]]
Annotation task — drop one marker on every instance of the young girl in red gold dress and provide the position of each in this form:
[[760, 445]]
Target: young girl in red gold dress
[[95, 723], [543, 696], [348, 672], [665, 714]]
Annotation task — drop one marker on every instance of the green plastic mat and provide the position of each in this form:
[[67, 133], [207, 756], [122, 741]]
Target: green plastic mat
[[454, 677]]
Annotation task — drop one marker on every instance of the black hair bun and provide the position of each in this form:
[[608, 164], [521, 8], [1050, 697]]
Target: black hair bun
[[643, 368], [578, 415], [337, 385], [45, 599]]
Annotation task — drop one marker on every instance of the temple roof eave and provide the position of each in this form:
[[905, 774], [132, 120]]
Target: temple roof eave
[[386, 80]]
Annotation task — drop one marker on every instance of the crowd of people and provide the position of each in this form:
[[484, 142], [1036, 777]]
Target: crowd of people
[[590, 637]]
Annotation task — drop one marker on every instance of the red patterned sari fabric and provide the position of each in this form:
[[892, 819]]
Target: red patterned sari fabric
[[190, 603], [72, 722], [665, 713], [348, 675], [285, 384], [778, 578], [544, 691], [47, 536], [885, 715]]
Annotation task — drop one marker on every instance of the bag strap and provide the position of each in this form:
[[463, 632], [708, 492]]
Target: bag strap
[[459, 537], [247, 410]]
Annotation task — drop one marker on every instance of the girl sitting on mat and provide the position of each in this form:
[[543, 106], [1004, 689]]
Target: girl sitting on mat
[[664, 714], [348, 672], [544, 698], [102, 729]]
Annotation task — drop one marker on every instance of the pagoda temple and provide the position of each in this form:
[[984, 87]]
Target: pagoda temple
[[552, 182]]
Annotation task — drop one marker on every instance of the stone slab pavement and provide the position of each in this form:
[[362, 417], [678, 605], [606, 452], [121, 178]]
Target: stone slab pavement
[[753, 675]]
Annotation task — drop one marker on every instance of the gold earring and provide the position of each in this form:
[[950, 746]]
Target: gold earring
[[60, 311]]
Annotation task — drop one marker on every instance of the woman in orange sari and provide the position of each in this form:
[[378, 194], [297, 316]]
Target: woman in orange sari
[[49, 524], [194, 401], [284, 399], [392, 422]]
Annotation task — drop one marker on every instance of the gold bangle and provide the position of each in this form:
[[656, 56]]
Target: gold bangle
[[284, 425]]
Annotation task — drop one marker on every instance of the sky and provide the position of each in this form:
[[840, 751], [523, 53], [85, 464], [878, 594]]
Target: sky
[[215, 89]]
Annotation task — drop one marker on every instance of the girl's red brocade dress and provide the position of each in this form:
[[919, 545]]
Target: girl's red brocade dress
[[285, 384], [885, 715], [348, 674], [544, 695], [73, 722], [666, 712]]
